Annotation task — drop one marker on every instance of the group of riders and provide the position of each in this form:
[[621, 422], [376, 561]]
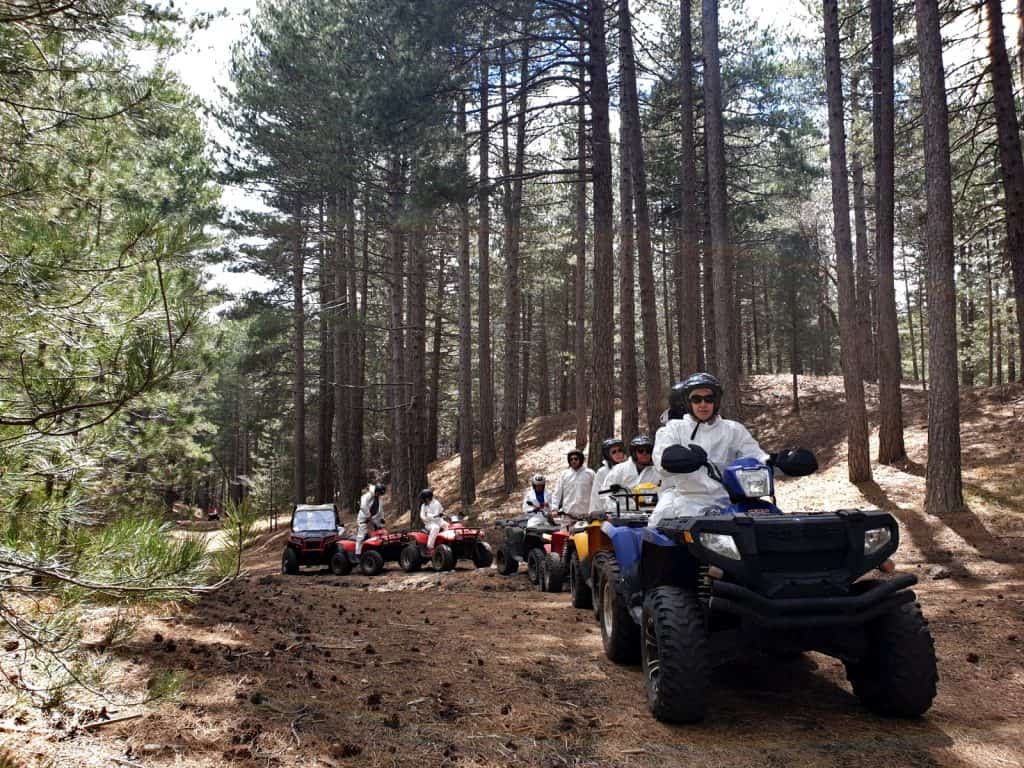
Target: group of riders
[[689, 452]]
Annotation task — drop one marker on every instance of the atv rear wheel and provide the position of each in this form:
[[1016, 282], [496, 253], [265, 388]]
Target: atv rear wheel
[[444, 558], [289, 561], [619, 633], [505, 561], [371, 562], [552, 573], [340, 564], [482, 555], [581, 596], [677, 669], [410, 558], [533, 560], [596, 568], [898, 676]]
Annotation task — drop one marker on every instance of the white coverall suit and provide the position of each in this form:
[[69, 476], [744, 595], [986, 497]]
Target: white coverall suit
[[686, 494], [628, 475], [432, 515], [573, 494], [371, 513]]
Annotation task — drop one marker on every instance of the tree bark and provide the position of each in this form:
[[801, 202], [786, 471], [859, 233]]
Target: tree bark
[[890, 366], [862, 286], [325, 401], [299, 352], [467, 477], [653, 386], [544, 366], [629, 385], [344, 370], [859, 461], [434, 405], [401, 491], [416, 360], [1010, 159], [726, 353], [687, 266], [602, 413], [580, 362], [943, 485], [488, 450]]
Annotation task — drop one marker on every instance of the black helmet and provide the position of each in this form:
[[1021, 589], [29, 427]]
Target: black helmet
[[606, 448], [679, 395], [576, 452], [640, 441], [379, 489], [426, 493]]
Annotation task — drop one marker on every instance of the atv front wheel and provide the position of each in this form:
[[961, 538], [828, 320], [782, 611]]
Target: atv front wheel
[[677, 670], [289, 561], [581, 596], [898, 676], [482, 555], [371, 562], [340, 564], [552, 573], [619, 633], [444, 558], [410, 558], [505, 561], [533, 565]]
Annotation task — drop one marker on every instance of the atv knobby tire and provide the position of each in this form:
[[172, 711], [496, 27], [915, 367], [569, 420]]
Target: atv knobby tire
[[340, 564], [505, 561], [898, 676], [578, 588], [619, 633], [371, 562], [596, 568], [443, 558], [482, 555], [552, 573], [410, 558], [677, 669], [289, 561], [533, 560]]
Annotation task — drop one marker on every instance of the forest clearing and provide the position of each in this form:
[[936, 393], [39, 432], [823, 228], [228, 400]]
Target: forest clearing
[[469, 668]]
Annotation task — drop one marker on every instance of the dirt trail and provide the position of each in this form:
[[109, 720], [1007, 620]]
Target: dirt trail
[[473, 669]]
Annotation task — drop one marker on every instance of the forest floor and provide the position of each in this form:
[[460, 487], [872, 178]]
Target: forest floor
[[469, 668]]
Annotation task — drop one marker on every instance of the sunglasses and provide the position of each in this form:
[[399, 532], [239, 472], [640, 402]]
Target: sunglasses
[[616, 450], [643, 450], [575, 458], [698, 399]]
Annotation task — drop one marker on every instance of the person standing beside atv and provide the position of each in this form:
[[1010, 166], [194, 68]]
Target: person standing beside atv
[[432, 516], [536, 502], [613, 451], [639, 469], [575, 484], [695, 434], [371, 513]]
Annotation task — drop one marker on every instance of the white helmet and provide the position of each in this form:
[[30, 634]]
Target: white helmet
[[538, 479]]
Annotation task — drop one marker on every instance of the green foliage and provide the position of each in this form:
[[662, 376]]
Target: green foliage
[[239, 529]]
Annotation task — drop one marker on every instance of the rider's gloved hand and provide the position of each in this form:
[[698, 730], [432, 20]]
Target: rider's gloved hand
[[795, 462], [680, 459]]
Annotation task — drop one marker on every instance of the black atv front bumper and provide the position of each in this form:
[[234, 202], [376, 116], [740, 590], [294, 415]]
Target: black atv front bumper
[[812, 612]]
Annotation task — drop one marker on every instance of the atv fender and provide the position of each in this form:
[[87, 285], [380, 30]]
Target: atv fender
[[626, 543]]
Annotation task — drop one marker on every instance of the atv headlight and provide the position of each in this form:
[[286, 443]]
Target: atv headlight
[[875, 539], [755, 483], [721, 544]]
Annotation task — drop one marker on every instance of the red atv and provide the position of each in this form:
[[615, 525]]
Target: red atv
[[315, 539], [379, 547], [456, 542]]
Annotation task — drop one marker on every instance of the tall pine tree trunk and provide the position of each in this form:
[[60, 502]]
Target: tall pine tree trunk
[[325, 401], [488, 450], [1010, 159], [434, 407], [858, 455], [726, 354], [299, 353], [943, 485], [580, 362], [344, 371], [467, 477], [687, 265], [602, 405], [416, 360], [862, 275], [653, 387], [890, 367], [401, 491], [629, 384], [544, 365]]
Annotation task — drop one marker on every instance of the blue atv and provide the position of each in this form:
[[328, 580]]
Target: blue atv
[[699, 591]]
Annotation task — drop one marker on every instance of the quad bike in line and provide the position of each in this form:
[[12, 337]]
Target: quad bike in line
[[454, 543]]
